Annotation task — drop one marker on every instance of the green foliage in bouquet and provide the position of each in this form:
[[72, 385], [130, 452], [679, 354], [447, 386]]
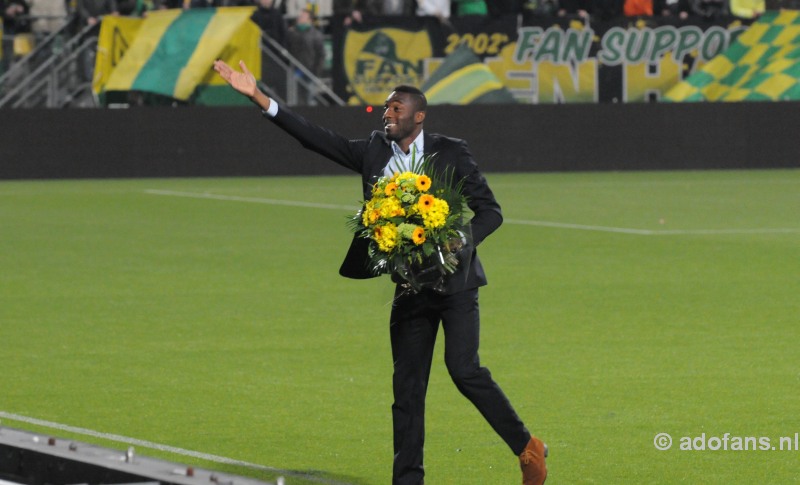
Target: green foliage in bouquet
[[415, 223]]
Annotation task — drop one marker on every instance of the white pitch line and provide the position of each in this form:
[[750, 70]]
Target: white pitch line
[[524, 222], [765, 230], [657, 232], [154, 446], [255, 200], [565, 225]]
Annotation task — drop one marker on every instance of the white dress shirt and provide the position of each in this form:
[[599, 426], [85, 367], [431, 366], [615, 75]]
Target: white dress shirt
[[404, 162]]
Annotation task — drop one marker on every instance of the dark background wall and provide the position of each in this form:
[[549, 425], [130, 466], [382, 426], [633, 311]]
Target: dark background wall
[[197, 141]]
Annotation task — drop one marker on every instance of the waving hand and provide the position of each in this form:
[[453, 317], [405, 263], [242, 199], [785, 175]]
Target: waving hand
[[243, 82]]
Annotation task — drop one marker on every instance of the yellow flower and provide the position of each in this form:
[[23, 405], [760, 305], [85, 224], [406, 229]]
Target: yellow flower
[[365, 213], [370, 214], [390, 189], [425, 203], [407, 176], [442, 206], [374, 215], [436, 215], [407, 180], [386, 237], [423, 183], [391, 208], [418, 236]]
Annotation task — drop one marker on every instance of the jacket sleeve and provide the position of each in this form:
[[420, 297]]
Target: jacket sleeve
[[347, 153], [487, 215]]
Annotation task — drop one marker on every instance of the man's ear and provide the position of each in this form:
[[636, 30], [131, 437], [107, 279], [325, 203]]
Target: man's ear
[[419, 117]]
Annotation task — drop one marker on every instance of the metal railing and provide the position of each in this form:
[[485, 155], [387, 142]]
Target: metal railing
[[52, 75], [57, 74], [289, 82]]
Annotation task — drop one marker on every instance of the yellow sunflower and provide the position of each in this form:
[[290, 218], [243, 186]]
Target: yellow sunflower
[[418, 236], [423, 183], [425, 203]]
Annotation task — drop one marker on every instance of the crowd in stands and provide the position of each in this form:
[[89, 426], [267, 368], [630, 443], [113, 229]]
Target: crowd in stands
[[682, 9], [298, 25]]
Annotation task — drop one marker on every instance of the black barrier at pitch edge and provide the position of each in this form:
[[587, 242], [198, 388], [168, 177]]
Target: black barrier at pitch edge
[[204, 141]]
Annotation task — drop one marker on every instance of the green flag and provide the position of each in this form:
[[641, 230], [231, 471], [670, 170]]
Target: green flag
[[173, 50]]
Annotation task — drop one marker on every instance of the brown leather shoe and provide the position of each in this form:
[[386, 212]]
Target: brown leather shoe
[[531, 461]]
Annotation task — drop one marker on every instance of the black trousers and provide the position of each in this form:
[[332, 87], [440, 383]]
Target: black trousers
[[414, 324]]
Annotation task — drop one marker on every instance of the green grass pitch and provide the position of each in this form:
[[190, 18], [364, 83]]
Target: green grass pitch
[[208, 315]]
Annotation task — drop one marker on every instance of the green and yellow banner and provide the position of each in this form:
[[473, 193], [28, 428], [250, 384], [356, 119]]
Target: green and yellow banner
[[171, 52], [538, 61], [763, 64], [463, 78]]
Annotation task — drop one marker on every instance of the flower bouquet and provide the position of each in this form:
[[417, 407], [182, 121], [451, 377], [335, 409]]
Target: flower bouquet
[[415, 223]]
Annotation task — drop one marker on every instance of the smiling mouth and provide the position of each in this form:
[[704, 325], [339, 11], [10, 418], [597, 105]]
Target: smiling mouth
[[386, 126]]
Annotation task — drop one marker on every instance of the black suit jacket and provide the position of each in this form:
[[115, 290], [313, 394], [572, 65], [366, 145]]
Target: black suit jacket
[[369, 156]]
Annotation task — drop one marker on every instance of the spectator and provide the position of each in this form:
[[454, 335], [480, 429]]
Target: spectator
[[434, 8], [499, 8], [470, 7], [638, 8], [748, 9], [783, 4], [608, 9], [187, 4], [14, 14], [271, 21], [318, 8], [90, 11], [47, 16], [398, 7], [306, 44], [540, 8], [709, 9], [672, 8], [355, 10], [135, 8], [167, 4], [581, 8]]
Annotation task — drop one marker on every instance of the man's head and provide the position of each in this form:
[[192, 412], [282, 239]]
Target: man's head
[[305, 18], [403, 114]]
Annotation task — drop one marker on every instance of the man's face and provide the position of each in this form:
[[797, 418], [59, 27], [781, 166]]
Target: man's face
[[399, 116], [303, 18]]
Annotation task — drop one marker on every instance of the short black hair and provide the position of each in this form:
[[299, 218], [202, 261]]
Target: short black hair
[[420, 101]]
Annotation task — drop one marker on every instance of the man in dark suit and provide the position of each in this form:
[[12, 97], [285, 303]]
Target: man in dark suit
[[415, 317]]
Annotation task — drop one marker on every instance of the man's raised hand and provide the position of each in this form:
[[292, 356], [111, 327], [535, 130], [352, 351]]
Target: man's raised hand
[[244, 81]]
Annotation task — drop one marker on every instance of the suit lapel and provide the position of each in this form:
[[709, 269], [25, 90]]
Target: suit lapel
[[433, 152], [379, 161], [378, 153]]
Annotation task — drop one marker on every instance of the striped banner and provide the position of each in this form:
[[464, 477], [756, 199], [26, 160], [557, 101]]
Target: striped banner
[[173, 50], [463, 78], [763, 64]]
